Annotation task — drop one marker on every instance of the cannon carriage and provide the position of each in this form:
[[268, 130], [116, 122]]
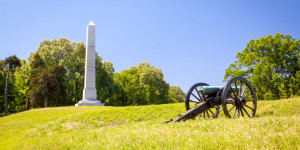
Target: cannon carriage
[[236, 99]]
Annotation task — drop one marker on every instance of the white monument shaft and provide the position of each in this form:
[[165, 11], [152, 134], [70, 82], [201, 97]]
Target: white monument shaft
[[89, 91]]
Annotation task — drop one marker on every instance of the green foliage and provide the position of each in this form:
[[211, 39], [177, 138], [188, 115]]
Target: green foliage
[[140, 85], [153, 79], [64, 53], [10, 63], [2, 84], [21, 87], [276, 126], [75, 72], [54, 76], [71, 55], [47, 88], [129, 91], [176, 94], [36, 78], [272, 65], [104, 79]]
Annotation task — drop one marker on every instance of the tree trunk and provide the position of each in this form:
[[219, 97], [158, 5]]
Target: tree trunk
[[45, 102], [27, 104], [5, 92]]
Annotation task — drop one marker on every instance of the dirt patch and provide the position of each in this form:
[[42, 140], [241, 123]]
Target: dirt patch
[[71, 125]]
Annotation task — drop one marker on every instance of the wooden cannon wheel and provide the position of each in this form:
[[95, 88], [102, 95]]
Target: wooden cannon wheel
[[194, 97], [238, 98]]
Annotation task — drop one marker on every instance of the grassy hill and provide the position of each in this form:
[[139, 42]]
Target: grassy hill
[[276, 126]]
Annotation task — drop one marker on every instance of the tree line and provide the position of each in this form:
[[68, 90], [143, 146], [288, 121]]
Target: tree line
[[54, 76]]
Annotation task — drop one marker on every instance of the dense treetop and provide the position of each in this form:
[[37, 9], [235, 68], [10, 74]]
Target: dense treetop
[[272, 64]]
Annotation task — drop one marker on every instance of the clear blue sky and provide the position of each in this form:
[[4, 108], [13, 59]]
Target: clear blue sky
[[191, 41]]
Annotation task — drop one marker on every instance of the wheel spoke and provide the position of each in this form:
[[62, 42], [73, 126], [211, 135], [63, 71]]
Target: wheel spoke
[[232, 92], [231, 108], [236, 89], [219, 109], [240, 88], [234, 113], [207, 113], [244, 91], [238, 112], [196, 97], [194, 101], [198, 93], [246, 111], [211, 112], [247, 94], [230, 96], [242, 111], [249, 107]]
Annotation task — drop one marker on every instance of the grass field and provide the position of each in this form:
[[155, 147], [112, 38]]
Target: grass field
[[275, 126]]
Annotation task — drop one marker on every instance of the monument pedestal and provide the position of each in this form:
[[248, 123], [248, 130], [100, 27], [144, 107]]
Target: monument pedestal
[[89, 98], [88, 102]]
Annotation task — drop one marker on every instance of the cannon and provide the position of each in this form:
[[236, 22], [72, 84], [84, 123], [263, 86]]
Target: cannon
[[237, 99]]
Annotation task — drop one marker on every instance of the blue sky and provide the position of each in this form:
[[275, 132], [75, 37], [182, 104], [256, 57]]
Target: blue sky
[[191, 41]]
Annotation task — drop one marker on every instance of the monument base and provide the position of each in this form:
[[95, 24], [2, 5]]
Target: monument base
[[86, 102]]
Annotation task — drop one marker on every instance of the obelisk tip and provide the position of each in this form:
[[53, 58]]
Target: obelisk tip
[[91, 23]]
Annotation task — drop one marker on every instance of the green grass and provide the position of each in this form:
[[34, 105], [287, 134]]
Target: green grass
[[276, 126]]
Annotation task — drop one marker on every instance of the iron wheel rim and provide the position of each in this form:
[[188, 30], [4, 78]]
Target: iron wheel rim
[[237, 95], [193, 96]]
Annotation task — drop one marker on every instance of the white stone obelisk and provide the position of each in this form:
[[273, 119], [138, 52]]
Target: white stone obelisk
[[89, 91]]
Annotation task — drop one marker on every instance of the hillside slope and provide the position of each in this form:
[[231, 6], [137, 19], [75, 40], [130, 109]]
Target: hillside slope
[[276, 126]]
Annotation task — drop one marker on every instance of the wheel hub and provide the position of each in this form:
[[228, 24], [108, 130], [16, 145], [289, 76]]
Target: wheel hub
[[241, 101]]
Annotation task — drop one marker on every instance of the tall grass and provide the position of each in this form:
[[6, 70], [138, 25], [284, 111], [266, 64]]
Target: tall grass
[[276, 126]]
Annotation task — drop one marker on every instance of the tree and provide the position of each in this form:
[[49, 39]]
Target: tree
[[75, 72], [21, 82], [11, 63], [2, 85], [154, 79], [48, 89], [272, 65], [128, 89], [104, 79], [175, 94], [140, 85]]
